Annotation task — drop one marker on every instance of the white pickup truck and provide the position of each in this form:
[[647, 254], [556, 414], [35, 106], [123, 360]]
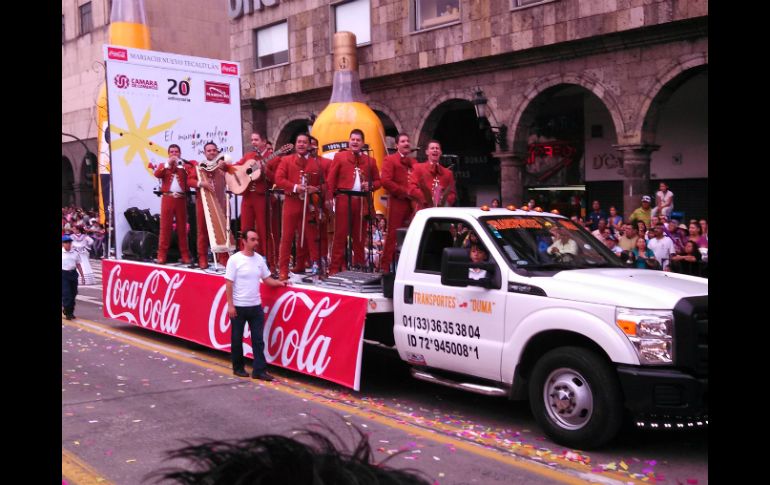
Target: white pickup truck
[[588, 340]]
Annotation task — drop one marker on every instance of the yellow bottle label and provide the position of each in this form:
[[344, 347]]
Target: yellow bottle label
[[130, 34], [332, 129]]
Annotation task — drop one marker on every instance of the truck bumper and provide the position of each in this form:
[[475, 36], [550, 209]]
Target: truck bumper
[[664, 396]]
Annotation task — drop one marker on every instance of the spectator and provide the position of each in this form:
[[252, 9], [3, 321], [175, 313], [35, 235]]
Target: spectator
[[594, 216], [696, 236], [643, 257], [643, 213], [97, 234], [664, 201], [81, 243], [704, 228], [677, 235], [627, 241], [615, 220], [495, 202], [641, 229], [688, 261], [662, 246], [599, 232], [612, 244]]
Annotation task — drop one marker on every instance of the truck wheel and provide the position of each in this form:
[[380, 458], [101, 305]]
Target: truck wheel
[[575, 397]]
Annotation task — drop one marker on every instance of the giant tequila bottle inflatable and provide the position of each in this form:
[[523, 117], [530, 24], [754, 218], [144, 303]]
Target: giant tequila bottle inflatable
[[346, 110]]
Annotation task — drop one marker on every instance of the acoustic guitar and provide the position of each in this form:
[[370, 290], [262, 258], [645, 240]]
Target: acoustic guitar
[[238, 177]]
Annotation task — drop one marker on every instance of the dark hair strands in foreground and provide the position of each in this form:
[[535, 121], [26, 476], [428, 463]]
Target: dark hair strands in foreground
[[309, 458]]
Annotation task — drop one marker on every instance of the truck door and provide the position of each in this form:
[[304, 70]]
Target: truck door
[[448, 327]]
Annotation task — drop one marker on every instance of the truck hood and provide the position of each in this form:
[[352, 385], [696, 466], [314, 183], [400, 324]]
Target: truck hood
[[633, 288]]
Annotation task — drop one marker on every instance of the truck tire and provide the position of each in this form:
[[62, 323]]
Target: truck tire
[[575, 397]]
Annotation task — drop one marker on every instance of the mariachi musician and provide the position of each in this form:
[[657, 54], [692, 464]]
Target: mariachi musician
[[173, 203], [211, 151], [299, 176], [395, 178], [351, 170], [430, 184], [322, 219], [253, 210]]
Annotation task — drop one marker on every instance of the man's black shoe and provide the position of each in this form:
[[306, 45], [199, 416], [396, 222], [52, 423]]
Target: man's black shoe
[[241, 373], [69, 317], [263, 377]]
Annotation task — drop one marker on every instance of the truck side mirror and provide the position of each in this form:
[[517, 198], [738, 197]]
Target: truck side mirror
[[455, 264]]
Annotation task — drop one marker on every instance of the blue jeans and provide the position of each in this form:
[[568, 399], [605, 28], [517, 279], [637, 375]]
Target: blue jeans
[[256, 320]]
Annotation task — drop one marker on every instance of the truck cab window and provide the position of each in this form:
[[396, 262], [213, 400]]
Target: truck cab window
[[435, 237]]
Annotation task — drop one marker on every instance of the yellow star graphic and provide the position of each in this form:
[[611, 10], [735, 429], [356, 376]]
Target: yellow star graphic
[[137, 138]]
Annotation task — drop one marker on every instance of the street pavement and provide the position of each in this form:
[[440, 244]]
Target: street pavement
[[129, 395]]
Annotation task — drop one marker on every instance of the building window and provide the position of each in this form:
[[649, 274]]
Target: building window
[[272, 45], [86, 23], [526, 3], [354, 17], [431, 13]]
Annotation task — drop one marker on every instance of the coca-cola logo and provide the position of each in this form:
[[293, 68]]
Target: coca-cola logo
[[117, 54], [152, 300], [293, 330], [121, 81], [229, 68]]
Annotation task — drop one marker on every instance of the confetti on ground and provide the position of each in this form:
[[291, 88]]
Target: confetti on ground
[[131, 461]]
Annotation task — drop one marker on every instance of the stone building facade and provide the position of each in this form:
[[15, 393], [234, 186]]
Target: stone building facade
[[598, 99], [195, 27]]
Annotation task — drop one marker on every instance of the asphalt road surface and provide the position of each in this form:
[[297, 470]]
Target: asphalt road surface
[[129, 395]]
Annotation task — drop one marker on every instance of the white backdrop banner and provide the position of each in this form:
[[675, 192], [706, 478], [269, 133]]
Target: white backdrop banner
[[156, 99]]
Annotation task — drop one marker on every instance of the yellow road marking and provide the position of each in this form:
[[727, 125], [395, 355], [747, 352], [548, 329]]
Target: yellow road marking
[[513, 457], [77, 472]]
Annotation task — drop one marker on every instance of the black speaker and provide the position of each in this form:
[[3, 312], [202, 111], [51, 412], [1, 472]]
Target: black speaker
[[135, 219], [139, 245], [151, 222]]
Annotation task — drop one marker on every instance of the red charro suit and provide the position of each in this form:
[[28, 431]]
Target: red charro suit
[[172, 206], [342, 176], [203, 233], [421, 181], [273, 226], [323, 223], [395, 179], [288, 174], [253, 205]]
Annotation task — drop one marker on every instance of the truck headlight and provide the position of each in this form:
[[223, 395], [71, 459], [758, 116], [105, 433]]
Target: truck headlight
[[651, 332]]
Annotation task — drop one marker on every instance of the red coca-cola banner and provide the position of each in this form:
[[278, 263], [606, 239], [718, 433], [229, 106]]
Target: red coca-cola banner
[[313, 332]]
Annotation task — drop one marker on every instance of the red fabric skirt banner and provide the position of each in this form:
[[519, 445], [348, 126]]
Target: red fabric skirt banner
[[308, 331]]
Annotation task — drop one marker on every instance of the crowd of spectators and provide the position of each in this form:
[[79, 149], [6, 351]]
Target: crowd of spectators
[[86, 231], [651, 241]]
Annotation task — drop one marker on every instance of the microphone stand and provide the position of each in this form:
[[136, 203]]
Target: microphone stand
[[370, 206], [320, 216]]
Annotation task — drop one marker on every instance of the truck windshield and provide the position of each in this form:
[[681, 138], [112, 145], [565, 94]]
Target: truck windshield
[[547, 243]]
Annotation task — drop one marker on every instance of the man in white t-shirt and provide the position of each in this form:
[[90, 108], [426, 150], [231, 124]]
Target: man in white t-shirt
[[662, 246], [664, 201], [243, 273]]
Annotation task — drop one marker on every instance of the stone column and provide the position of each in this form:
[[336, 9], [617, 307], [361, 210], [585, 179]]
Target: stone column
[[254, 118], [511, 178], [636, 174]]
